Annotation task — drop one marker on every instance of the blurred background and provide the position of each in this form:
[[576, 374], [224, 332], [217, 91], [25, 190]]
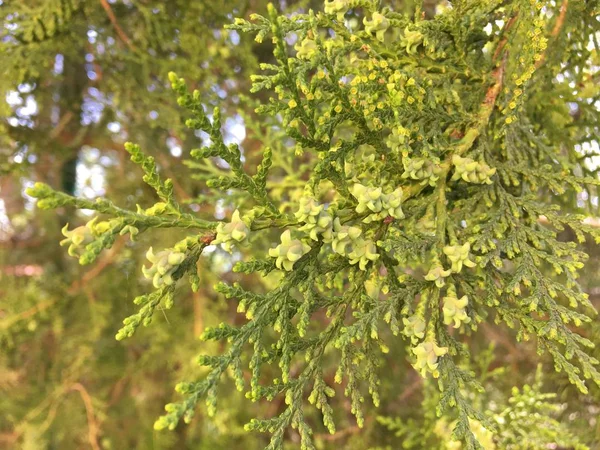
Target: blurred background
[[78, 79]]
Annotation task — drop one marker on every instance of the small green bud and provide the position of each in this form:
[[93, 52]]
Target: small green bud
[[459, 256], [373, 288], [414, 328], [421, 169], [369, 198], [234, 232], [76, 239], [342, 237], [308, 210], [288, 252], [455, 309], [472, 171], [39, 190], [411, 40], [306, 49], [437, 273], [373, 200], [337, 7], [427, 354], [173, 77], [156, 210], [397, 138], [378, 25], [363, 252], [164, 264]]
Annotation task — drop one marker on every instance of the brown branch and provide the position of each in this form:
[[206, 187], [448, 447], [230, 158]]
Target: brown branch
[[11, 438], [62, 123], [54, 402], [411, 388], [115, 23], [198, 299], [561, 18], [560, 21], [504, 39], [93, 428], [48, 402], [117, 391], [483, 117], [26, 314], [20, 242]]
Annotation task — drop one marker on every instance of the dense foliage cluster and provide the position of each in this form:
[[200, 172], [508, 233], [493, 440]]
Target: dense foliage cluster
[[417, 173]]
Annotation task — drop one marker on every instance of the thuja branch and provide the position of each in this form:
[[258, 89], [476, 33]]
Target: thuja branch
[[420, 168], [51, 199]]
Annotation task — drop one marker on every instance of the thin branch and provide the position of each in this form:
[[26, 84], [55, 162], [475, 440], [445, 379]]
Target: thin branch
[[560, 21], [62, 123], [115, 23], [504, 39], [561, 18], [411, 389], [7, 323], [483, 117], [199, 301], [93, 428]]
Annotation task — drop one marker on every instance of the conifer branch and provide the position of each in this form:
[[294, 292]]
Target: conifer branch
[[421, 165]]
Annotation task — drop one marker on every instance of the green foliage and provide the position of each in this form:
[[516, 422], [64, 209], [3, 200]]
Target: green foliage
[[413, 182], [523, 421], [52, 18]]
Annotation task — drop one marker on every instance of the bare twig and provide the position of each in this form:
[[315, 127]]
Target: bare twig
[[62, 123], [7, 323], [115, 23], [411, 389], [199, 308], [561, 18], [93, 428]]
